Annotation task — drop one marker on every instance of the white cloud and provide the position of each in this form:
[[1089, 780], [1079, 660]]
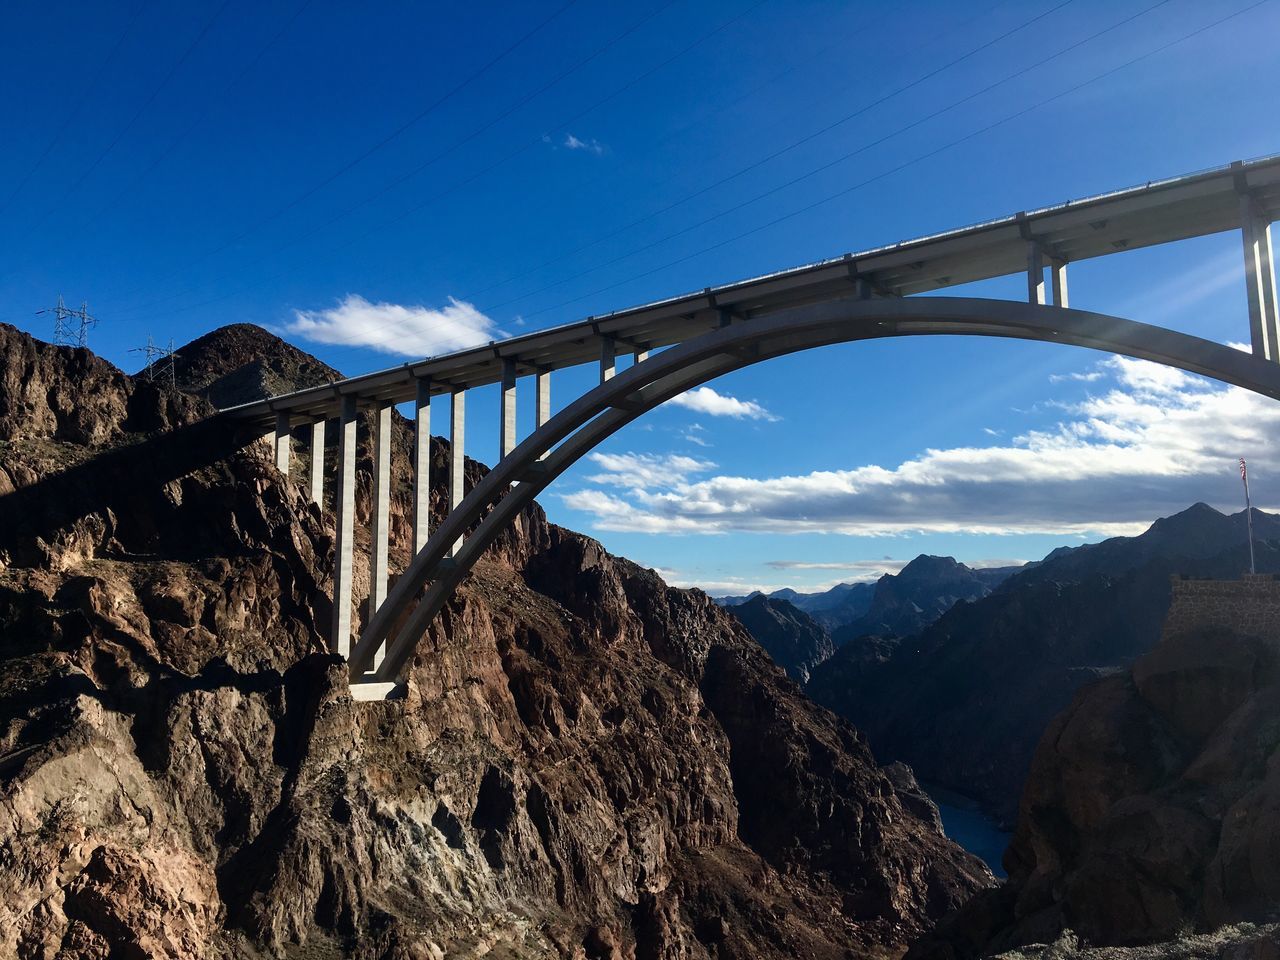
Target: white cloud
[[590, 146], [705, 400], [642, 470], [1153, 442], [1089, 377], [410, 331], [861, 569]]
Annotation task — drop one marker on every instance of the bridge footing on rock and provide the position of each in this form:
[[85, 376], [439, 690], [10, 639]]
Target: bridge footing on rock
[[377, 690]]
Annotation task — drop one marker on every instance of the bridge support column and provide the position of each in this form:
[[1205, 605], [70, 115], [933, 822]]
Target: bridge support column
[[421, 464], [608, 358], [1260, 280], [315, 487], [542, 400], [457, 456], [640, 356], [507, 425], [1059, 275], [380, 522], [340, 642], [1035, 273], [282, 442]]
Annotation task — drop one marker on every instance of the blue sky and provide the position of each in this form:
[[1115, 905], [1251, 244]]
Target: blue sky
[[324, 169]]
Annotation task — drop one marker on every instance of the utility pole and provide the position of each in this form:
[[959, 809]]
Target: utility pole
[[160, 360], [70, 327]]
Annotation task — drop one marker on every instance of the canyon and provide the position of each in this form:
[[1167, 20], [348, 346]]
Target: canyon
[[587, 763]]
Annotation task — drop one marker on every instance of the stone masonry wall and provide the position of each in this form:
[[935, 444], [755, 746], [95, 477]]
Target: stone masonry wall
[[1249, 606]]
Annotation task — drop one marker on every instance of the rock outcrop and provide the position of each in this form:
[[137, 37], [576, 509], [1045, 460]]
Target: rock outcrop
[[917, 595], [587, 763], [1153, 804], [794, 640]]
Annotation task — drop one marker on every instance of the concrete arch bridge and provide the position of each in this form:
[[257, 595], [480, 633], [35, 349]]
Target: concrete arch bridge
[[680, 343]]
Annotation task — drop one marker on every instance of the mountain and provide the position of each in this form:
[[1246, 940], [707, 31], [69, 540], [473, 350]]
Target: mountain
[[241, 363], [1152, 809], [794, 640], [965, 700], [586, 763], [1197, 533], [906, 602], [830, 608], [896, 604]]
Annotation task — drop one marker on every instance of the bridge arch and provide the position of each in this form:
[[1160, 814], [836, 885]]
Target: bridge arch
[[432, 576]]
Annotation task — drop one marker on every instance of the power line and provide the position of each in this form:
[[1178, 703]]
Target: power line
[[793, 145], [828, 164], [375, 147], [524, 147], [89, 88], [561, 126], [925, 156], [838, 160], [915, 160], [530, 143], [200, 118], [177, 64], [840, 40]]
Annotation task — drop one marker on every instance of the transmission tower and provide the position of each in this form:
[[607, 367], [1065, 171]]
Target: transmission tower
[[70, 327], [160, 361]]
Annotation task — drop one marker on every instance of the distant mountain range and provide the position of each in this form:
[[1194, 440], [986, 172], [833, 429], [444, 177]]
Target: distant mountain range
[[965, 699], [801, 630], [794, 640], [903, 602], [957, 670], [832, 608]]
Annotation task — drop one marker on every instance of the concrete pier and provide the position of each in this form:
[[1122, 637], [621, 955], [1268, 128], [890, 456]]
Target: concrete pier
[[608, 358], [282, 442], [422, 464], [507, 420], [457, 454], [1058, 273], [1035, 273], [315, 487], [1260, 280], [345, 499], [380, 522]]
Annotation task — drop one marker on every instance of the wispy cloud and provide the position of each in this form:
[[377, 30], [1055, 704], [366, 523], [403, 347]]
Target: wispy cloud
[[861, 569], [407, 331], [1088, 377], [591, 145], [639, 471], [694, 433], [708, 401], [1153, 442]]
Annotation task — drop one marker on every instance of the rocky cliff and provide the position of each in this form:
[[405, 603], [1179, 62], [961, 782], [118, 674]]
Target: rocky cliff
[[587, 763], [965, 701], [906, 602], [1153, 805], [794, 640]]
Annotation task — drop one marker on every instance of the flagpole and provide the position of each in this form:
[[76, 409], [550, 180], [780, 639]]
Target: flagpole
[[1248, 512]]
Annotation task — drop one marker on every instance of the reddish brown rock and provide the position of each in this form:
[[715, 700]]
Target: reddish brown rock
[[1153, 804], [587, 763]]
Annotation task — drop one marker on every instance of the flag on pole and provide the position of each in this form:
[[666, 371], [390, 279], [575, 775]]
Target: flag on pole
[[1248, 511]]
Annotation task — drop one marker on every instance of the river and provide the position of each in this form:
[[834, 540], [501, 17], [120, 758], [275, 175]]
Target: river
[[971, 828]]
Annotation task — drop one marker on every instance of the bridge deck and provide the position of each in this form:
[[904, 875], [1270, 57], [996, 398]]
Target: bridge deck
[[1158, 212]]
